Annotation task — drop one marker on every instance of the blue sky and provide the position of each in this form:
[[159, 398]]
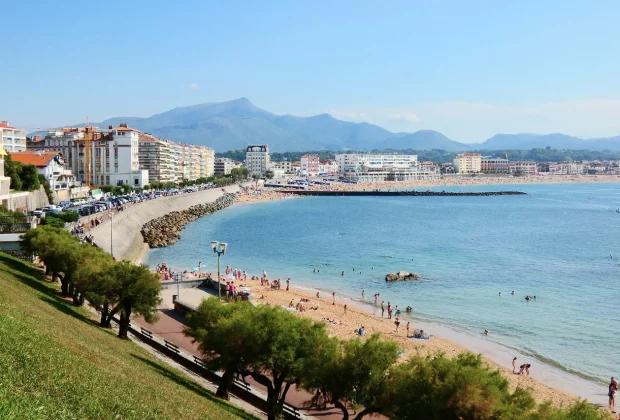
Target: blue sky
[[469, 69]]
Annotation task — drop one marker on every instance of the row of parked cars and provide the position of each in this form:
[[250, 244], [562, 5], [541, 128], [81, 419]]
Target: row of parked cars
[[89, 206]]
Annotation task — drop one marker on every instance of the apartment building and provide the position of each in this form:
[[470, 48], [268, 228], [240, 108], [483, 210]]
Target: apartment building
[[223, 166], [310, 165], [328, 167], [467, 163], [490, 165], [113, 154], [156, 156], [12, 139], [521, 168], [257, 160], [374, 167], [193, 161]]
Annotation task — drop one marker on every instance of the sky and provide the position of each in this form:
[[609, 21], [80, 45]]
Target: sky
[[469, 69]]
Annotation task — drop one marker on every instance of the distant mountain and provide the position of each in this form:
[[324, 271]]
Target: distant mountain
[[422, 140], [554, 141], [238, 123]]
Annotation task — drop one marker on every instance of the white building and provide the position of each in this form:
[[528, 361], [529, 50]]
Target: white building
[[371, 167], [328, 167], [50, 165], [523, 168], [12, 139], [490, 165], [113, 154], [257, 160], [223, 166], [467, 163], [156, 156], [310, 165]]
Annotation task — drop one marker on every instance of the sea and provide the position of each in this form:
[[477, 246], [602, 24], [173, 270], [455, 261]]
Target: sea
[[560, 243]]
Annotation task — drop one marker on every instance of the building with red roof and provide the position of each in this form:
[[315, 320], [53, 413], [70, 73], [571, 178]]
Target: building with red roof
[[12, 139]]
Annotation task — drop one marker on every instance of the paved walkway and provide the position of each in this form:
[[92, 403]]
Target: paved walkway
[[170, 327]]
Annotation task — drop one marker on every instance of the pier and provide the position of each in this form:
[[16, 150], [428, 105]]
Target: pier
[[412, 193]]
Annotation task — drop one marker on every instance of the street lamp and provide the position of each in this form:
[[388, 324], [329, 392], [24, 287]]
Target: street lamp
[[111, 230], [220, 249]]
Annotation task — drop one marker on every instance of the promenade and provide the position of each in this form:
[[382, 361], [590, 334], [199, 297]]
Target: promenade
[[125, 240]]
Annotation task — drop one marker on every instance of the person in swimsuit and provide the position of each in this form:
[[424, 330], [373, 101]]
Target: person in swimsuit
[[613, 387], [514, 365]]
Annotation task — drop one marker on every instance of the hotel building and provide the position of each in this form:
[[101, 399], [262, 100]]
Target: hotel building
[[12, 139], [309, 165], [374, 167], [490, 165], [467, 163], [257, 160], [156, 156], [223, 166]]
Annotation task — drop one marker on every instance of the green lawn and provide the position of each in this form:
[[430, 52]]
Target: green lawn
[[56, 363]]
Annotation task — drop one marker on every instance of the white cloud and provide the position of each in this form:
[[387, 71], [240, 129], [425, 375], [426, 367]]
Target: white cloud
[[194, 86], [475, 122]]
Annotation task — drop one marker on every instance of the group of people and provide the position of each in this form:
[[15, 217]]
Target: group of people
[[237, 274], [165, 272], [523, 369]]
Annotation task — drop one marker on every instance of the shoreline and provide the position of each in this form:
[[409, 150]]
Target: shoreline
[[547, 382], [468, 181]]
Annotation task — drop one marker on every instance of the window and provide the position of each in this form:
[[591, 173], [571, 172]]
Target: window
[[135, 181]]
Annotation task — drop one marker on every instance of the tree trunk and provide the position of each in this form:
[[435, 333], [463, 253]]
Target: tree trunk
[[363, 413], [223, 390], [105, 321], [272, 404], [64, 286], [123, 327], [76, 297], [82, 298], [343, 408]]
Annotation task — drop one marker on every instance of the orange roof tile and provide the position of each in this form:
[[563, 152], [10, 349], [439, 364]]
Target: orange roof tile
[[3, 125], [41, 159]]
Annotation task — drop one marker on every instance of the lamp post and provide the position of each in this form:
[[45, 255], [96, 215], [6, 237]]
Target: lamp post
[[111, 238], [220, 249]]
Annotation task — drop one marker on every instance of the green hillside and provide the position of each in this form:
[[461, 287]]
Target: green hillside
[[56, 363]]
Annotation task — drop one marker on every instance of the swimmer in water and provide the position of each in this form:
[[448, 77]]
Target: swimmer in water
[[500, 293], [342, 274], [486, 332], [513, 293]]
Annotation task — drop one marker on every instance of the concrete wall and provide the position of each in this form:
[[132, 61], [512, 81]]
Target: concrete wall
[[126, 240], [28, 200]]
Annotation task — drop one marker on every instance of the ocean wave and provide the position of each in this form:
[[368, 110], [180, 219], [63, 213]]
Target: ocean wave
[[551, 362]]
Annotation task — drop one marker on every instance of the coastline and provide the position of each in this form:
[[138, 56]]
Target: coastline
[[466, 181], [546, 382]]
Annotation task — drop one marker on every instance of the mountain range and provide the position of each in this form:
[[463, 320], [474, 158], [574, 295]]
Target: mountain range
[[238, 123]]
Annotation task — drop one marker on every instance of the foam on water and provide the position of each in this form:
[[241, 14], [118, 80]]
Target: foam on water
[[554, 243]]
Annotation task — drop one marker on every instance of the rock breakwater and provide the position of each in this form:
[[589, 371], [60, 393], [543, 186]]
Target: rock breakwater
[[165, 230]]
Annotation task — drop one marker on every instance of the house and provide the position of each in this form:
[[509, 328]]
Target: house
[[49, 164]]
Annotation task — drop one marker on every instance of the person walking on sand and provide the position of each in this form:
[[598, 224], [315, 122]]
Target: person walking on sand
[[333, 298], [345, 309], [382, 309], [408, 326], [514, 365], [389, 309], [288, 281], [527, 369], [397, 323], [613, 387]]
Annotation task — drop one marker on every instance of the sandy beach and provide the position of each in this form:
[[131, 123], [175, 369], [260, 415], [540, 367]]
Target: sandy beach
[[466, 181], [356, 316]]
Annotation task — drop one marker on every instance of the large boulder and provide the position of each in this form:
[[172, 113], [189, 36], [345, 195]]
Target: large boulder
[[401, 275]]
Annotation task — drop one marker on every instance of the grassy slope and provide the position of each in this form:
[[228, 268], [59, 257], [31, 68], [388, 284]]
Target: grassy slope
[[55, 362]]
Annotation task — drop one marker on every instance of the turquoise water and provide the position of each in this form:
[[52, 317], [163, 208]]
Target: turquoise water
[[554, 243]]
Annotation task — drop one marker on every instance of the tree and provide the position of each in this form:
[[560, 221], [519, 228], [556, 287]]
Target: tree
[[49, 220], [117, 191], [133, 289], [126, 188], [355, 371], [56, 248], [239, 174], [272, 345], [13, 170], [106, 188], [269, 174], [220, 331], [30, 178], [437, 387], [93, 264]]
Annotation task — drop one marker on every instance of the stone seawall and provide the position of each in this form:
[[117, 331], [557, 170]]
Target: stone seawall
[[165, 230], [125, 239]]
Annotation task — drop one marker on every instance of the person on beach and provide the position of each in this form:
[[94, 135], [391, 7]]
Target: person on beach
[[389, 309], [345, 309], [376, 298], [317, 295], [514, 365], [527, 369], [362, 294], [397, 323], [227, 291], [264, 274], [288, 281], [245, 276], [333, 298], [408, 326], [611, 393]]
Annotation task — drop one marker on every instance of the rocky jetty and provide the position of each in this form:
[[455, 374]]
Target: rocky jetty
[[401, 275], [165, 230], [382, 193]]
